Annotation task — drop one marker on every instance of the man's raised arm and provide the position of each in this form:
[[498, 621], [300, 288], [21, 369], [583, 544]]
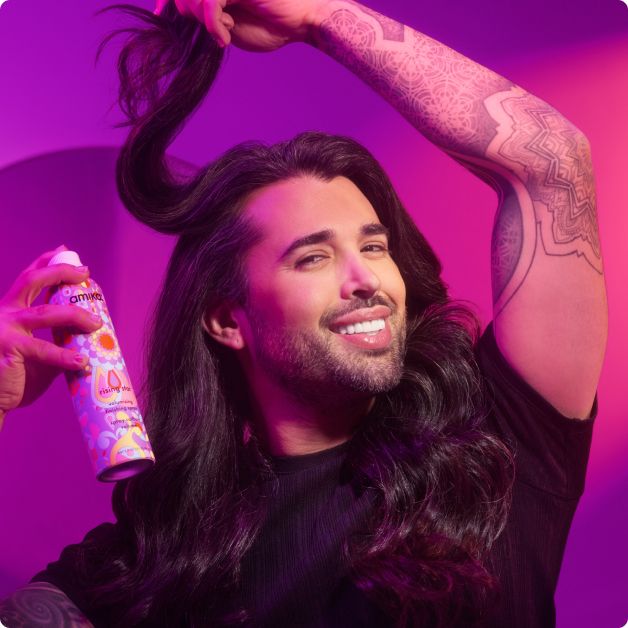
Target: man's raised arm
[[550, 312], [549, 297]]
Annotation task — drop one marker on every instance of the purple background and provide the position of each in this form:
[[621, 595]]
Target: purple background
[[57, 149]]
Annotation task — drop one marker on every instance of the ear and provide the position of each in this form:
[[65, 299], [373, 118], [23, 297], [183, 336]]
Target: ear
[[221, 324]]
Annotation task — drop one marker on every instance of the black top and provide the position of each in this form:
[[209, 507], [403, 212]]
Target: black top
[[293, 575]]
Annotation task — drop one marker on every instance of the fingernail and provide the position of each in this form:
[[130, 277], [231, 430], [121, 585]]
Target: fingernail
[[82, 269], [79, 358], [96, 318]]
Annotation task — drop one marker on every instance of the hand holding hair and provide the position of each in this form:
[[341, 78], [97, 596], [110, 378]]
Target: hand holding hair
[[254, 25]]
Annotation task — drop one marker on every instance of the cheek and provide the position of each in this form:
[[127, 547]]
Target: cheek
[[393, 283], [303, 303], [297, 302]]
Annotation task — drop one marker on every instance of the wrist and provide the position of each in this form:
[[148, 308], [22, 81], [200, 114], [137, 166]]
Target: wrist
[[321, 10]]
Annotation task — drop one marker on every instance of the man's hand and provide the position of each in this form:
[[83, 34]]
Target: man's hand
[[28, 364], [255, 25]]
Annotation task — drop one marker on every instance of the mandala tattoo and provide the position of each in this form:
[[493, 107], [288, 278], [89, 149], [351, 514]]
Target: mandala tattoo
[[555, 158], [433, 86], [391, 30]]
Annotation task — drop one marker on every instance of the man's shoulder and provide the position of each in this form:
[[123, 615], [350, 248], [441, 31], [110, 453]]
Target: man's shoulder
[[551, 450], [504, 381]]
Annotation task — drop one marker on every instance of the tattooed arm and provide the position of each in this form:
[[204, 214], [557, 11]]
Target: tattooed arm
[[550, 312], [41, 604]]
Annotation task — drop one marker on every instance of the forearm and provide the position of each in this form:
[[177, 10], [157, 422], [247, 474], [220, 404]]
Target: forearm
[[461, 106], [41, 604]]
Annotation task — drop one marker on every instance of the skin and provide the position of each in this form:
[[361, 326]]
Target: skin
[[309, 385]]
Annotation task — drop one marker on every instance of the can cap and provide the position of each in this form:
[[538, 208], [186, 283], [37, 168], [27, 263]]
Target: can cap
[[66, 257]]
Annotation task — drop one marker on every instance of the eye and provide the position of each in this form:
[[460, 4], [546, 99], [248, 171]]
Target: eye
[[309, 260], [376, 247]]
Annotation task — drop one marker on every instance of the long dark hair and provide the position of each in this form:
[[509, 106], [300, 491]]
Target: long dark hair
[[442, 484]]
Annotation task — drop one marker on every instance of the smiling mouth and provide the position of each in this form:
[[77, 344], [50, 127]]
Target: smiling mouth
[[364, 327], [373, 335]]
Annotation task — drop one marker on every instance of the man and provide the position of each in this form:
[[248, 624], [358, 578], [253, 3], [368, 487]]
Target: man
[[325, 453]]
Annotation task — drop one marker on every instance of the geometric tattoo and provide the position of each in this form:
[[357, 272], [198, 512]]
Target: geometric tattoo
[[558, 174]]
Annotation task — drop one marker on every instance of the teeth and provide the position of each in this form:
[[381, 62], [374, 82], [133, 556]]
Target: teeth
[[364, 327]]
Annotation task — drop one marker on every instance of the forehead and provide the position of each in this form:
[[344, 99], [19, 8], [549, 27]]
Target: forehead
[[302, 205]]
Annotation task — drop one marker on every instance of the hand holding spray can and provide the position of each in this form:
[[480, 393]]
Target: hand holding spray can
[[102, 395]]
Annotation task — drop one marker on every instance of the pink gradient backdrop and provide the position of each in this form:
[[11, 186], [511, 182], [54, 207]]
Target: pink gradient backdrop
[[57, 147]]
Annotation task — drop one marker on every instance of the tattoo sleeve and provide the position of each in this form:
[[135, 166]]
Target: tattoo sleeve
[[496, 129], [41, 604]]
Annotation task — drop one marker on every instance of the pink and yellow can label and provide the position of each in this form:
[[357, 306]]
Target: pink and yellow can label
[[102, 394]]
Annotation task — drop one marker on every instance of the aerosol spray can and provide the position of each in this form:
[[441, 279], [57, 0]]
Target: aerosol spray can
[[102, 394]]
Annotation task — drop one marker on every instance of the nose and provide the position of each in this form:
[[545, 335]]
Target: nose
[[359, 280]]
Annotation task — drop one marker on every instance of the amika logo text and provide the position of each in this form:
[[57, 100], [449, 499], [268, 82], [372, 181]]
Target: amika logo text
[[91, 296]]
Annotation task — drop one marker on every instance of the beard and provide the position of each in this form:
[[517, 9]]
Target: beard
[[317, 367]]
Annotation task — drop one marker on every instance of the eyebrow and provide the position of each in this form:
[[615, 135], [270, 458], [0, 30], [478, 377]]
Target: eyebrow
[[325, 235]]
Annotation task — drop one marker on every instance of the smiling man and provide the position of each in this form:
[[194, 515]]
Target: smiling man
[[323, 328], [334, 444]]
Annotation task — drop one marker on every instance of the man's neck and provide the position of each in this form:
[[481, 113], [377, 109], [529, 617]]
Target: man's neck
[[293, 427]]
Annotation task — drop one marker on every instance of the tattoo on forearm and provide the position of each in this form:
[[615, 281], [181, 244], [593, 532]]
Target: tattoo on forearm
[[39, 606], [438, 90], [391, 30]]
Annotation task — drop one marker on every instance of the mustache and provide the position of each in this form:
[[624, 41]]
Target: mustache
[[357, 304]]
